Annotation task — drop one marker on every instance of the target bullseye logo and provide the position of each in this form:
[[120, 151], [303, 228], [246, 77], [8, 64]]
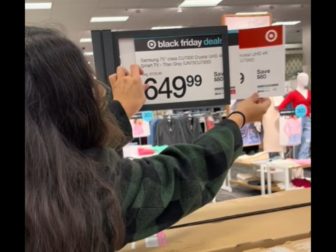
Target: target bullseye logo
[[151, 44], [271, 35]]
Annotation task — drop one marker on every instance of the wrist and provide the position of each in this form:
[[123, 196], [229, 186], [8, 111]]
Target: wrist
[[238, 117], [126, 108]]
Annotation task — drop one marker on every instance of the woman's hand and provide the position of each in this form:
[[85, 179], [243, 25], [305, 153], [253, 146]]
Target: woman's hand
[[128, 89], [253, 108]]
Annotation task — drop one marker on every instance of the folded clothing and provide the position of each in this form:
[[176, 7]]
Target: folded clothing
[[150, 150], [145, 151], [298, 182], [244, 176]]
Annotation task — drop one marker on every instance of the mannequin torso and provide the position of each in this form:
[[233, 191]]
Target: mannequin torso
[[300, 96]]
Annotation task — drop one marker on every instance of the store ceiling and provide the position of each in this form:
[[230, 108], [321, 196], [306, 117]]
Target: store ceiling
[[73, 16]]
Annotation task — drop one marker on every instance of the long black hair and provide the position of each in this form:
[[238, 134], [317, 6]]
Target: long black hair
[[64, 117]]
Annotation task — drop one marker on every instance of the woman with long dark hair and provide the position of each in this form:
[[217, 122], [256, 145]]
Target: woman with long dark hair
[[80, 195]]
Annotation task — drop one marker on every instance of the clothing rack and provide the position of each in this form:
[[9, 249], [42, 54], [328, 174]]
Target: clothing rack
[[196, 114], [137, 116], [202, 115]]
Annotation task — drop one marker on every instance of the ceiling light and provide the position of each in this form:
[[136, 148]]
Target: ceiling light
[[38, 6], [85, 40], [251, 13], [88, 53], [179, 10], [109, 19], [166, 27], [287, 23], [199, 3]]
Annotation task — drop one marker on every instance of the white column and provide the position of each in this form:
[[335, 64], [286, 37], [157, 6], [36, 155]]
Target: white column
[[306, 44]]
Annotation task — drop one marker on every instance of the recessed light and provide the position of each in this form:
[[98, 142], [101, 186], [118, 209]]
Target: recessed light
[[251, 13], [287, 23], [179, 10], [38, 6], [85, 40], [200, 3], [88, 53], [109, 19], [166, 27]]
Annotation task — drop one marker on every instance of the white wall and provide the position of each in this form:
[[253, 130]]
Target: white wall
[[306, 45]]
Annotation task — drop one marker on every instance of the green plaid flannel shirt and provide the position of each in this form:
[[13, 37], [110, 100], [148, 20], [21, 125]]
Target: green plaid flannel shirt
[[156, 192]]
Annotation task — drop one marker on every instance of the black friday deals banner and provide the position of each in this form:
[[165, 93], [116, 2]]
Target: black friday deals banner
[[181, 69]]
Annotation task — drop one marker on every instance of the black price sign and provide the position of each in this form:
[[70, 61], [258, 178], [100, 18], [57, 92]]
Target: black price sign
[[183, 68]]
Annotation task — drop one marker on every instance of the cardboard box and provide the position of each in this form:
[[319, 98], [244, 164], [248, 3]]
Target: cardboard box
[[248, 204], [248, 225], [303, 245]]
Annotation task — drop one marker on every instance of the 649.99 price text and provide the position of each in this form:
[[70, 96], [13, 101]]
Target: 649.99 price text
[[176, 86]]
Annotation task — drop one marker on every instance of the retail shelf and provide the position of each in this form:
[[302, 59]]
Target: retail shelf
[[255, 187]]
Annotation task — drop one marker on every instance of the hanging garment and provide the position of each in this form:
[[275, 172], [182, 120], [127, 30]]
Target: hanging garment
[[302, 151], [290, 131], [296, 98], [250, 135], [202, 124], [140, 128], [191, 128], [151, 137], [210, 123], [169, 132]]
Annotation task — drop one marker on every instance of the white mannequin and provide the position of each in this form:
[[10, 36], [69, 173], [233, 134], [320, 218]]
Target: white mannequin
[[302, 83], [303, 150]]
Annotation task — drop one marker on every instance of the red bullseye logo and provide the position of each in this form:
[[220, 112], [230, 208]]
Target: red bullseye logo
[[271, 35]]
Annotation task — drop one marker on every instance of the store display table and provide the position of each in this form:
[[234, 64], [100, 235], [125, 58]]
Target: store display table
[[266, 167]]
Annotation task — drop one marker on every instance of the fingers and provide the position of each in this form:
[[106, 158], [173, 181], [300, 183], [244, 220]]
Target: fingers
[[121, 72], [136, 71], [254, 97], [267, 103], [141, 71], [113, 79], [264, 103]]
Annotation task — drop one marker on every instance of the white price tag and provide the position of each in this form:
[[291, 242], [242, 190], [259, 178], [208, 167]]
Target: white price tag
[[257, 62], [201, 79]]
